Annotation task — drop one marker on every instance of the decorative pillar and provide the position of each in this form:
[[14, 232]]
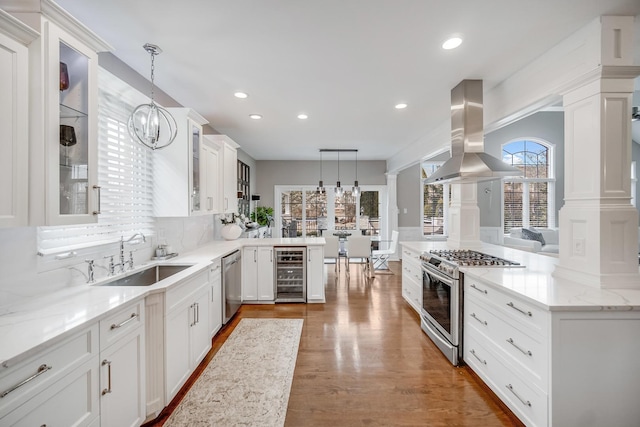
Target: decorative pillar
[[392, 205], [464, 216], [598, 225]]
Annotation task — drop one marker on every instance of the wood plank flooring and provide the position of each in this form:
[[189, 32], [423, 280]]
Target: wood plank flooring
[[364, 361]]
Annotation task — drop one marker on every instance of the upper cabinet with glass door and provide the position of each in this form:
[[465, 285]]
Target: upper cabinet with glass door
[[63, 115], [178, 181]]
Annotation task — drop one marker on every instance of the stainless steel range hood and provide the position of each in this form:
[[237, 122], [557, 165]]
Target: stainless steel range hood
[[469, 162]]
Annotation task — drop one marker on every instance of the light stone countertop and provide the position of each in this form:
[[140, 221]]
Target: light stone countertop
[[537, 284], [41, 322]]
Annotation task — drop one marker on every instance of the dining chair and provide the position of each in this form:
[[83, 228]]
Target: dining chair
[[381, 256], [332, 250], [359, 248]]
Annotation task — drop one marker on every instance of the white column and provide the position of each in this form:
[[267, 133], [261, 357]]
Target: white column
[[464, 216], [392, 205], [598, 224]]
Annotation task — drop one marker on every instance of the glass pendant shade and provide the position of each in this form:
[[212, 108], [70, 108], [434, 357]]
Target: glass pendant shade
[[320, 189], [356, 189], [339, 190], [150, 124]]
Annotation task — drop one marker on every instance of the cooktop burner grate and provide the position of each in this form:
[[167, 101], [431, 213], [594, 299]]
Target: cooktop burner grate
[[470, 258]]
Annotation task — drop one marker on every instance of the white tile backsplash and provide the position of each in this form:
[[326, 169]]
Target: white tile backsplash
[[22, 275]]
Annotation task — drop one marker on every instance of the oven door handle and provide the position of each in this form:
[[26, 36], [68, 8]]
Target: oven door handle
[[448, 280]]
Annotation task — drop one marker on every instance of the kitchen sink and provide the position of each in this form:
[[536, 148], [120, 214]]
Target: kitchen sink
[[148, 276]]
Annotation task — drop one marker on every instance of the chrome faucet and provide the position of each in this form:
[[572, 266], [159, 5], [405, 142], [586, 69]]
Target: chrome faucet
[[90, 278], [122, 242]]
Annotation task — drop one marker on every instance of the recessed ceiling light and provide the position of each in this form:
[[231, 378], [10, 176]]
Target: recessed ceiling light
[[255, 116], [240, 95], [401, 106], [303, 116], [452, 43]]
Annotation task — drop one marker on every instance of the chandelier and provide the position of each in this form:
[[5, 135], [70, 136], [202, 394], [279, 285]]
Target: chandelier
[[339, 190], [150, 124]]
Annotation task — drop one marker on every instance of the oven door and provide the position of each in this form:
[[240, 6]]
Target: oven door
[[441, 303]]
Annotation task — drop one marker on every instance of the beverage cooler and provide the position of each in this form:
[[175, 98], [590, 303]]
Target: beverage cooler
[[291, 274]]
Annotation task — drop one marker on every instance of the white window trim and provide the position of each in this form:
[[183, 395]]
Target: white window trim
[[551, 189]]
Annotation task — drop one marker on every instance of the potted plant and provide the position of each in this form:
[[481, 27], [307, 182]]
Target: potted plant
[[263, 215]]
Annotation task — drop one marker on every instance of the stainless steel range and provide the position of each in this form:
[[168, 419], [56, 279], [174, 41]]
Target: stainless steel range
[[442, 295]]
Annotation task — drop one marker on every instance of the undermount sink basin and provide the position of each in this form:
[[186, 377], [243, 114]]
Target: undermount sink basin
[[148, 276]]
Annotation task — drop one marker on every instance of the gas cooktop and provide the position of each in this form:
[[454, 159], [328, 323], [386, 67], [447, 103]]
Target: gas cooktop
[[448, 260]]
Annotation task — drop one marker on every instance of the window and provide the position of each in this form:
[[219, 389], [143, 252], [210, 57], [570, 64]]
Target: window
[[435, 203], [124, 172], [529, 201], [304, 212]]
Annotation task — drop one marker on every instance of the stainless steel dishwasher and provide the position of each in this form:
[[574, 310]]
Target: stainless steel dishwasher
[[231, 285]]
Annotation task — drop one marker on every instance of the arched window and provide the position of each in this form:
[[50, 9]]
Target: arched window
[[529, 201]]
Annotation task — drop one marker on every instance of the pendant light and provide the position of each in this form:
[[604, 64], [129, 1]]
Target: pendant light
[[320, 189], [150, 124], [339, 190], [356, 188]]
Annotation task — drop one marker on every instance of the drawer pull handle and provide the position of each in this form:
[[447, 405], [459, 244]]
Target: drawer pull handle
[[120, 325], [484, 362], [526, 313], [526, 352], [484, 322], [484, 291], [41, 370], [108, 363], [524, 402]]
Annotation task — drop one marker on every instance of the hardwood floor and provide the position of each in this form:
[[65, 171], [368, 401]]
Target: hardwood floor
[[364, 361]]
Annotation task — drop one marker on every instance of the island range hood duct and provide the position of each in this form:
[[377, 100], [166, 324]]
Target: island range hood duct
[[469, 162]]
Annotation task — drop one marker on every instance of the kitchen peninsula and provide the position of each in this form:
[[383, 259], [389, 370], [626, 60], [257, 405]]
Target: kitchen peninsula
[[554, 351]]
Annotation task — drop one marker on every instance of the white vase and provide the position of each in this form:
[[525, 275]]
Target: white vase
[[230, 231]]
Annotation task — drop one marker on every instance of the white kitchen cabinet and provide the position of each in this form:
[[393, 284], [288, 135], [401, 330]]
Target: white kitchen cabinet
[[257, 274], [63, 121], [215, 294], [122, 368], [229, 172], [57, 386], [177, 189], [552, 367], [14, 120], [412, 279], [315, 274], [187, 337], [212, 175]]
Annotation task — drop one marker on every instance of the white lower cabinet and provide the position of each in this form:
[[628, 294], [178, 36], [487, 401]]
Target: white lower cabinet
[[215, 297], [315, 274], [257, 274], [187, 333], [412, 279], [57, 386], [122, 368]]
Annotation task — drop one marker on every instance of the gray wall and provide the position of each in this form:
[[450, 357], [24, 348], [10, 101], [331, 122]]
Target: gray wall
[[409, 188], [270, 173], [635, 155]]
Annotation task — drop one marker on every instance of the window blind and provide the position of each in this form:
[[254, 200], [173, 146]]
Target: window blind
[[124, 172]]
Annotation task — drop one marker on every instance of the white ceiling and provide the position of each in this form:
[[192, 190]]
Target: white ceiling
[[345, 63]]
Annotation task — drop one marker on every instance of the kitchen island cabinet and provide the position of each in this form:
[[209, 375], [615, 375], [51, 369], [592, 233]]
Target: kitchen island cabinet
[[315, 274], [257, 274], [412, 279]]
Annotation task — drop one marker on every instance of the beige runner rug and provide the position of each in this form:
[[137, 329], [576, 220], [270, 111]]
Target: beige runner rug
[[247, 383]]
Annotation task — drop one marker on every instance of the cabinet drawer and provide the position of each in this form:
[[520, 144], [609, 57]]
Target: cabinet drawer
[[528, 354], [20, 382], [180, 292], [412, 293], [120, 323], [526, 400], [408, 254], [519, 311], [71, 401], [412, 269]]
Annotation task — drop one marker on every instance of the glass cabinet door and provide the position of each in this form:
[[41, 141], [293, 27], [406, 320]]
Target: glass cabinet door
[[74, 132], [196, 132], [71, 129]]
